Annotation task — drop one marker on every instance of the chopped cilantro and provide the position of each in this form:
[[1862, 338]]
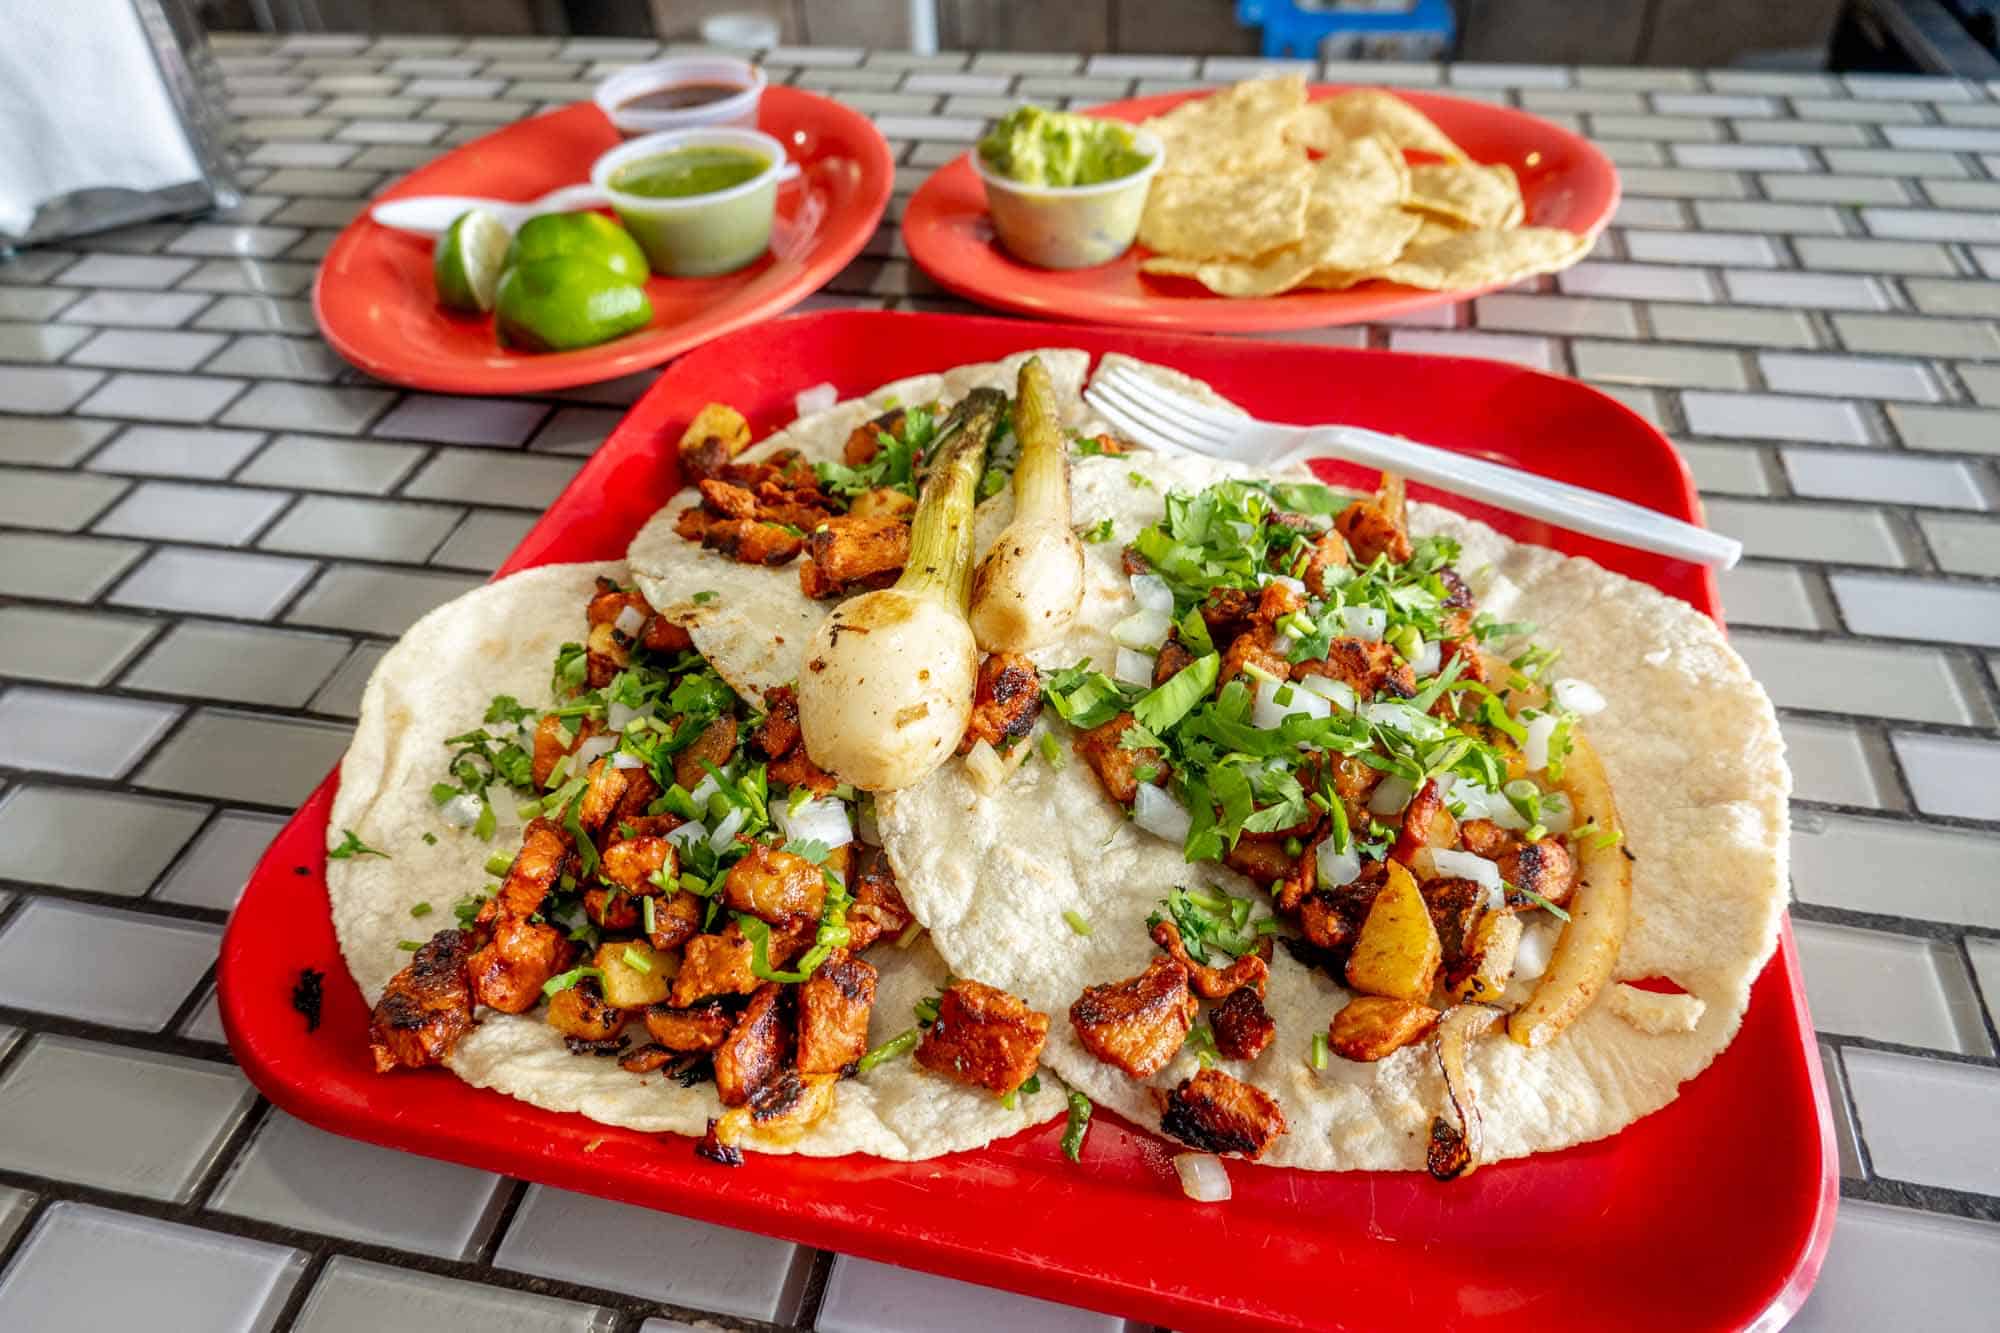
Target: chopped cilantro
[[420, 909], [351, 846], [1097, 532], [1076, 1126]]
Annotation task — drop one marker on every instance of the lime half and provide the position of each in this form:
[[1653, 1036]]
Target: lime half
[[590, 236], [468, 259], [554, 305]]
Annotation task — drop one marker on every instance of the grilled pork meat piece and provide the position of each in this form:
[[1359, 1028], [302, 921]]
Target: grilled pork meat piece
[[984, 1037], [714, 965], [863, 443], [715, 745], [1138, 1024], [520, 954], [746, 541], [1455, 909], [1370, 669], [677, 918], [580, 1012], [1118, 769], [702, 1028], [1006, 700], [631, 864], [834, 1003], [757, 1049], [1213, 983], [878, 909], [1242, 1027], [1371, 530], [849, 554], [611, 909], [778, 733], [1220, 1114], [1543, 868], [426, 1007], [1373, 1027], [1173, 657]]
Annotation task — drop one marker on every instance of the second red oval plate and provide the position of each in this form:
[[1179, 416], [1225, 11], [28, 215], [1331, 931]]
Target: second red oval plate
[[1565, 182], [377, 304]]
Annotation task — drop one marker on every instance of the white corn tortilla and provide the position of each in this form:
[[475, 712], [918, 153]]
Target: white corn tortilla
[[436, 682], [1696, 764], [755, 630]]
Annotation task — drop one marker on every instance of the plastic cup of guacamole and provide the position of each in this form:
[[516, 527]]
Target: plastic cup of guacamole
[[1063, 190], [700, 201]]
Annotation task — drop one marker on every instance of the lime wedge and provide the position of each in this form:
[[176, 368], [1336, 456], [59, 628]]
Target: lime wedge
[[590, 236], [555, 305], [468, 260]]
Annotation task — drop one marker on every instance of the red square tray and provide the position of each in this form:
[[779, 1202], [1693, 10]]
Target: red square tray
[[1714, 1212]]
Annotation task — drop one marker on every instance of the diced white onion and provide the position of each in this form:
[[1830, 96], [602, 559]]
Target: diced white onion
[[626, 759], [1429, 658], [461, 811], [1498, 595], [725, 832], [1339, 691], [1502, 812], [591, 751], [1266, 712], [982, 761], [1365, 622], [1285, 642], [864, 820], [1133, 667], [822, 819], [684, 836], [630, 621], [1203, 1177], [1464, 865], [1155, 810], [1152, 593], [619, 715], [704, 789], [1558, 816], [1578, 696], [503, 731], [1399, 716], [1285, 580], [1337, 868], [1538, 941], [1391, 795], [816, 399], [1143, 629], [1535, 750]]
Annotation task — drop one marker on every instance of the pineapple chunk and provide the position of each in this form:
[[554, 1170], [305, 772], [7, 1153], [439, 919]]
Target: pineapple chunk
[[627, 986]]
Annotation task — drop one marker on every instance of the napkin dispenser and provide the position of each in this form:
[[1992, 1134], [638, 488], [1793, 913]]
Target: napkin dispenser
[[111, 113]]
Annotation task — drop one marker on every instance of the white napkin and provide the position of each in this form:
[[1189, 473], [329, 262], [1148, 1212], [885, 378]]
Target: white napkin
[[83, 105]]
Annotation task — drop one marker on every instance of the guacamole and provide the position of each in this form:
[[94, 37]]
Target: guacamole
[[1055, 148]]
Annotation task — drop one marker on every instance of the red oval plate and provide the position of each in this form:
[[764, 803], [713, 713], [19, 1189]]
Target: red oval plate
[[1565, 182], [376, 303]]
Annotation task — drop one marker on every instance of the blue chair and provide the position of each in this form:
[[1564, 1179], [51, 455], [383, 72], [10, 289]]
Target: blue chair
[[1423, 31]]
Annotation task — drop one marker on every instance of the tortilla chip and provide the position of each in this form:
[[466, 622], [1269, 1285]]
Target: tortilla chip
[[1487, 258], [1368, 111], [1238, 130], [1336, 238], [1226, 217], [1467, 193], [1434, 230], [1363, 173]]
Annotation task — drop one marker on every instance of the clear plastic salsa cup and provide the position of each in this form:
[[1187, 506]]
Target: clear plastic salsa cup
[[1070, 226], [617, 93], [698, 235]]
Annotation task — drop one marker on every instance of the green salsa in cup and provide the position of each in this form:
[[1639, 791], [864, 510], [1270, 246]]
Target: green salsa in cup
[[696, 169], [700, 201]]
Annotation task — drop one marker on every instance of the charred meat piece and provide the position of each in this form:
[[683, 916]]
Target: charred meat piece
[[1454, 906], [774, 886], [1138, 1024], [581, 1012], [1118, 768], [1132, 562], [1329, 552], [714, 965], [798, 770], [787, 941], [778, 733], [647, 1059], [611, 909], [1373, 1027], [640, 792], [862, 444], [1220, 1114], [606, 654], [756, 1050], [663, 636], [426, 1007], [535, 870], [1172, 659], [1426, 823], [677, 919], [984, 1037], [1370, 669], [701, 1028], [1544, 868], [878, 909], [1242, 1028], [1252, 970], [1226, 611], [715, 745], [746, 541], [834, 1003], [1260, 857], [782, 1109], [1254, 647], [845, 555], [508, 974], [552, 742], [1006, 700], [1372, 530], [631, 864], [603, 795]]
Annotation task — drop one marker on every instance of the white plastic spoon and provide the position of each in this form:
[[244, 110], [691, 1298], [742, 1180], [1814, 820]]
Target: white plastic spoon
[[433, 214]]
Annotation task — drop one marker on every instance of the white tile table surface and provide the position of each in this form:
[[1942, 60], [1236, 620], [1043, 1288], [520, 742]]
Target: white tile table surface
[[210, 527]]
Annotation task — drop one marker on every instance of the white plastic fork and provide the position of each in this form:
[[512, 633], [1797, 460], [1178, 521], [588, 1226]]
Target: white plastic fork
[[1155, 415]]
